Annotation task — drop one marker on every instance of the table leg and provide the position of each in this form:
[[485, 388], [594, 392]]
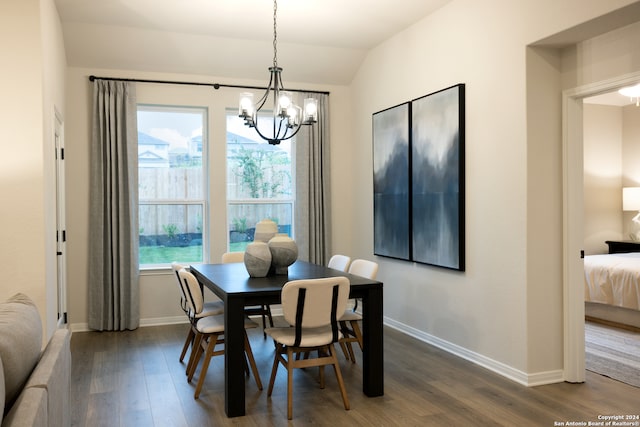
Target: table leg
[[372, 338], [234, 387]]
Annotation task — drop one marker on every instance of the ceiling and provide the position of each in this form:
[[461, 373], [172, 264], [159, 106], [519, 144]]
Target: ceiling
[[319, 41], [610, 98]]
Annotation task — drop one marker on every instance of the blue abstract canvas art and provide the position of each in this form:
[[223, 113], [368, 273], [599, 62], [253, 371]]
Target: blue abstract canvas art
[[437, 178], [391, 186]]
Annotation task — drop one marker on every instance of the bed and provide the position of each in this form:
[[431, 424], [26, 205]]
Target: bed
[[612, 288]]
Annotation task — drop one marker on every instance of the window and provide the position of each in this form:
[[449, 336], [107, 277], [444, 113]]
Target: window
[[171, 184], [259, 183]]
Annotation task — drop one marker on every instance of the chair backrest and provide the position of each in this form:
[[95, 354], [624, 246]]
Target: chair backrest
[[195, 299], [315, 303], [339, 262], [229, 257], [364, 268], [176, 267]]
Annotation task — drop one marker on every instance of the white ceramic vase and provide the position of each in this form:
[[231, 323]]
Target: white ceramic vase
[[265, 231], [257, 259], [284, 252]]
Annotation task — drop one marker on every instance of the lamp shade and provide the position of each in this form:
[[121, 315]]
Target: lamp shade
[[631, 199]]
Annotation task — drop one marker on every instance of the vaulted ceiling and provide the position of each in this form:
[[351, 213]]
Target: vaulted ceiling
[[319, 41]]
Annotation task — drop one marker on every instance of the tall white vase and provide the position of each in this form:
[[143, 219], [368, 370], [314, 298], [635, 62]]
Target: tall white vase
[[284, 252], [257, 259], [265, 231]]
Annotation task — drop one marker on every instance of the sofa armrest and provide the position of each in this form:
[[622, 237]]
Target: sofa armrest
[[53, 373], [30, 410]]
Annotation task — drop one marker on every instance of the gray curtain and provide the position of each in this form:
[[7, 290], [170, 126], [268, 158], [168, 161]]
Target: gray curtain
[[313, 213], [113, 222]]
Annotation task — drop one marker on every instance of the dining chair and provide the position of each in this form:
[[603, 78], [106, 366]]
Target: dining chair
[[339, 262], [211, 308], [209, 332], [263, 310], [310, 307], [349, 321]]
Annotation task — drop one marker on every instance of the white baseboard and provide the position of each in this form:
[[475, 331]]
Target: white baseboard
[[500, 368], [155, 321], [529, 380]]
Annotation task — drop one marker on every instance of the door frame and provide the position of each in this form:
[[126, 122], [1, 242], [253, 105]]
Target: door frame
[[573, 217], [60, 220]]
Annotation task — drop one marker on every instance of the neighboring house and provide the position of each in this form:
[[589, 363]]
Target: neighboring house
[[195, 147], [152, 152]]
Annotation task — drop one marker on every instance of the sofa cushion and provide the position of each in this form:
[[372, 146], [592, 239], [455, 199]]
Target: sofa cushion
[[53, 373], [30, 410], [20, 343], [1, 390]]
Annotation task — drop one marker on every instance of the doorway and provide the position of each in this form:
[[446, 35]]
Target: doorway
[[61, 237], [573, 212]]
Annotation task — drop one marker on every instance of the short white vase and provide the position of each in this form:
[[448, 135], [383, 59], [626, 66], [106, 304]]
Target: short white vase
[[257, 259], [284, 252]]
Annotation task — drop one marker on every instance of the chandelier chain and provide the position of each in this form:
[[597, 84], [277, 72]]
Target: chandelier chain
[[275, 34]]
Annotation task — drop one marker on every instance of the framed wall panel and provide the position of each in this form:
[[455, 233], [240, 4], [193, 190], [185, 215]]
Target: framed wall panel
[[437, 178], [391, 182]]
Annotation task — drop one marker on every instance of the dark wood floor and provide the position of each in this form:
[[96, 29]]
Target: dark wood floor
[[135, 379]]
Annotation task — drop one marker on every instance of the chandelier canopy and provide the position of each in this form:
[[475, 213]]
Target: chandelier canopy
[[287, 116]]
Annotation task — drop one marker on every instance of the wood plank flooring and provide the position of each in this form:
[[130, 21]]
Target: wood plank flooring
[[134, 378]]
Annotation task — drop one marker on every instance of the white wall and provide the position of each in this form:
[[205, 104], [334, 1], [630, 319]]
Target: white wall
[[603, 156], [505, 311], [158, 295], [612, 161], [630, 161], [32, 83]]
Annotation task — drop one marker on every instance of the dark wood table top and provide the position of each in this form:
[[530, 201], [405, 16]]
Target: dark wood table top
[[233, 279]]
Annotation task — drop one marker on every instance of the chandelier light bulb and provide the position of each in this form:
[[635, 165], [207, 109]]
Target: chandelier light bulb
[[310, 110], [246, 105], [284, 101]]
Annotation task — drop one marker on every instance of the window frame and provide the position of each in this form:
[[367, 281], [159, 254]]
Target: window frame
[[204, 202]]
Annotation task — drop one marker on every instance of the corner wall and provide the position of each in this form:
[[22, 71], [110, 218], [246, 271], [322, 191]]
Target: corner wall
[[505, 311], [32, 59]]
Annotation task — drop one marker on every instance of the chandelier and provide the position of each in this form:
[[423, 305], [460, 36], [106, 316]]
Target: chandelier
[[632, 92], [287, 116]]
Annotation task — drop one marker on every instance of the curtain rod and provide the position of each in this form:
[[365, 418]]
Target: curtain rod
[[214, 85]]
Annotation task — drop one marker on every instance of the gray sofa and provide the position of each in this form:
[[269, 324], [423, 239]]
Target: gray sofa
[[34, 383]]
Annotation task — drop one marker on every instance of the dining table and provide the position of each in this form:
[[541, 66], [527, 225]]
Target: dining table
[[233, 285]]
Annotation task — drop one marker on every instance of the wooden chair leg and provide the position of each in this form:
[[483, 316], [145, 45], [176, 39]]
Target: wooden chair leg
[[343, 346], [274, 368], [266, 313], [356, 331], [194, 359], [336, 368], [252, 361], [289, 383], [321, 369], [211, 343], [189, 341]]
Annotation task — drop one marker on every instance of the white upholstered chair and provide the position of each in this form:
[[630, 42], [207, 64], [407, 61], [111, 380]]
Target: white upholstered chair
[[209, 332], [349, 320], [263, 310], [311, 308], [210, 308], [339, 262]]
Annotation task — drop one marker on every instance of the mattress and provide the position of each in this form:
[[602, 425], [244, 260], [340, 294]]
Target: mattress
[[613, 279]]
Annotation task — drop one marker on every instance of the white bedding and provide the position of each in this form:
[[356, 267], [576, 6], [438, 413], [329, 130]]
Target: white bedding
[[613, 279]]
